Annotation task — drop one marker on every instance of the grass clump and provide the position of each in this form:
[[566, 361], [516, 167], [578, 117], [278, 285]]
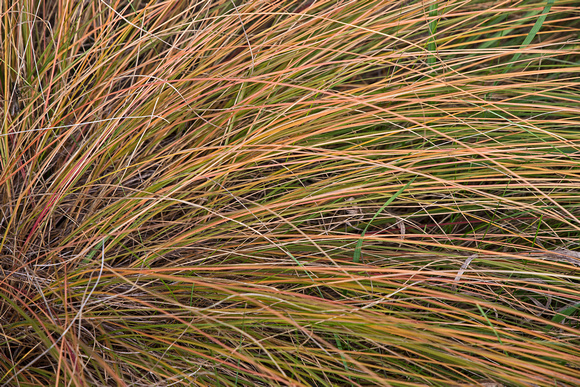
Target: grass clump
[[293, 193]]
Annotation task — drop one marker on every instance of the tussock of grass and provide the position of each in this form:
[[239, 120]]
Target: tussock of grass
[[290, 193]]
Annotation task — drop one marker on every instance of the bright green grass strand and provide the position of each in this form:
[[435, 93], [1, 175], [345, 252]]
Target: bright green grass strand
[[357, 249], [560, 316], [498, 20], [432, 46], [531, 35], [491, 326], [95, 250], [339, 346]]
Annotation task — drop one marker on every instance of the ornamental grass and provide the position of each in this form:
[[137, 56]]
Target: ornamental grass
[[290, 193]]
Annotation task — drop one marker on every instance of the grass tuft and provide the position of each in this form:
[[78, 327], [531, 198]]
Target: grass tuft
[[310, 193]]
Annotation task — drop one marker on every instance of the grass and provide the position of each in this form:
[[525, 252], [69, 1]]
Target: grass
[[310, 193]]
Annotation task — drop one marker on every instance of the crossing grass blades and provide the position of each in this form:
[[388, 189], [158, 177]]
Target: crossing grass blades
[[289, 193]]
